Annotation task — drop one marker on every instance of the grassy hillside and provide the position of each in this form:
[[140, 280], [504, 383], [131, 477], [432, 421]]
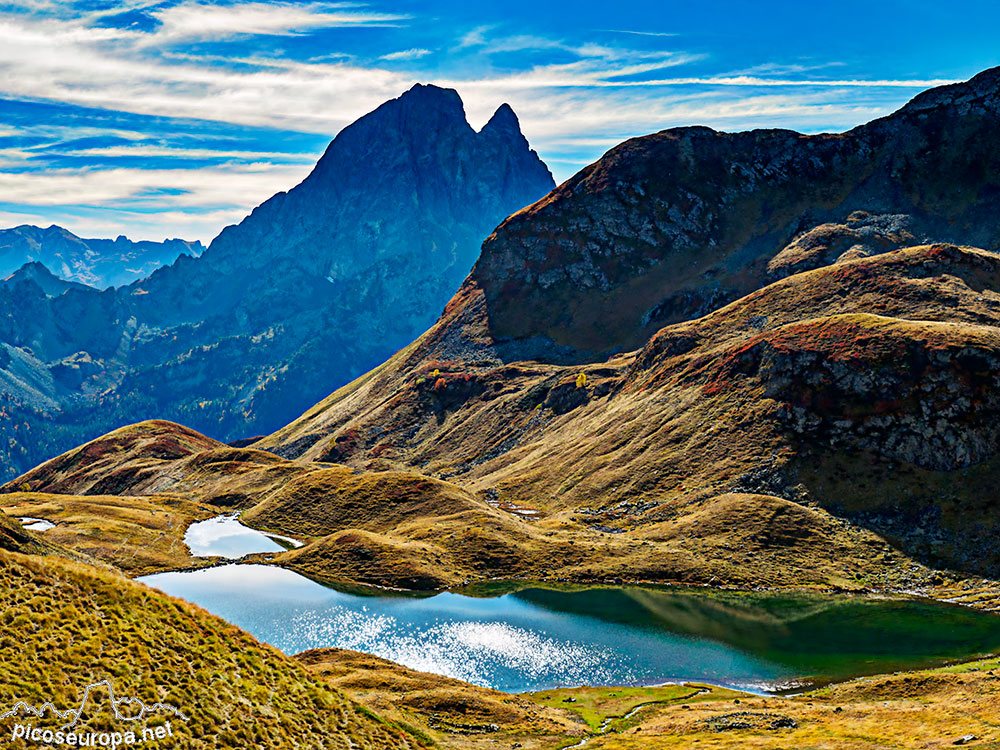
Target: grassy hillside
[[66, 625], [941, 708], [452, 713], [408, 530], [834, 429], [138, 535], [861, 392]]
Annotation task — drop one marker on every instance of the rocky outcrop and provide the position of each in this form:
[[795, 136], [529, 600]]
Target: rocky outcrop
[[919, 392], [860, 236], [673, 225]]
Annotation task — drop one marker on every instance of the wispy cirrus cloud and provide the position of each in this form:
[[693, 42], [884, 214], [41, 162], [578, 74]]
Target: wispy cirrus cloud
[[407, 54], [634, 32], [202, 20], [152, 201], [756, 81], [210, 188]]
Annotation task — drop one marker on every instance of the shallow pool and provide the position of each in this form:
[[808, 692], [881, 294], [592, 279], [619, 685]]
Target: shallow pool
[[225, 536]]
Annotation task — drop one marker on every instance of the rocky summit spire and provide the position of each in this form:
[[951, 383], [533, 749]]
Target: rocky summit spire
[[424, 109], [316, 286], [503, 121], [415, 158]]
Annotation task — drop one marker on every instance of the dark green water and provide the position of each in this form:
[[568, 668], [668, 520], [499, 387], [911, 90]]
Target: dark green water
[[518, 637]]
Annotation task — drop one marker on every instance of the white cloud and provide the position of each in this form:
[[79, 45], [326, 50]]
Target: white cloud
[[196, 20], [642, 33], [474, 38], [407, 54], [150, 151], [13, 157], [137, 226], [54, 60], [603, 95], [206, 199], [59, 60], [752, 81], [208, 187]]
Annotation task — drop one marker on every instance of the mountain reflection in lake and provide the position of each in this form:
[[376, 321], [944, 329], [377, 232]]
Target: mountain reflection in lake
[[518, 637]]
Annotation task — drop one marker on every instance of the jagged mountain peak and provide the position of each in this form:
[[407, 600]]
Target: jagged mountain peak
[[423, 112], [429, 94], [503, 121], [29, 269], [413, 156], [317, 285]]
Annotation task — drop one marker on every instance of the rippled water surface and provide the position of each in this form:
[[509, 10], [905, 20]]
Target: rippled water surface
[[533, 637]]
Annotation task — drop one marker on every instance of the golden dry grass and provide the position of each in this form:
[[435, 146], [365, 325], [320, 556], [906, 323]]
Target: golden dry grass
[[64, 625], [453, 713], [933, 709], [138, 535]]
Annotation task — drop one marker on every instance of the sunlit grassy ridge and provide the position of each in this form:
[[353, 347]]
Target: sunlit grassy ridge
[[138, 535], [64, 625], [408, 530], [936, 708], [452, 713], [928, 708]]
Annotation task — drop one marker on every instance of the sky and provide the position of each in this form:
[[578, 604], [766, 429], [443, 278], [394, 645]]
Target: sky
[[176, 118]]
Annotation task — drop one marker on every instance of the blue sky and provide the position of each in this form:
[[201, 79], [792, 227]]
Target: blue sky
[[175, 118]]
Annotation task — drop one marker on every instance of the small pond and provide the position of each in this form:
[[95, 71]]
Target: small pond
[[36, 524], [225, 536]]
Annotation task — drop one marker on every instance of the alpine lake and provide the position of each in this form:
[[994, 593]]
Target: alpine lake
[[519, 636]]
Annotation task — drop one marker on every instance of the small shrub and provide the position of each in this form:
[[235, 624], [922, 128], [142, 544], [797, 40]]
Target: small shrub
[[581, 380]]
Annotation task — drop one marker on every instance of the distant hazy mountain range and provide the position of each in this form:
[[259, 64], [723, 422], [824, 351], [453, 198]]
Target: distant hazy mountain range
[[315, 287], [96, 263], [36, 273]]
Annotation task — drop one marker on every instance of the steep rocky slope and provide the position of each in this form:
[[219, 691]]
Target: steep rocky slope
[[866, 387], [669, 226], [855, 370], [314, 288]]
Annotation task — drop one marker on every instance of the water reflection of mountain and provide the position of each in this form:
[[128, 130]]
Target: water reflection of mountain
[[803, 631]]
